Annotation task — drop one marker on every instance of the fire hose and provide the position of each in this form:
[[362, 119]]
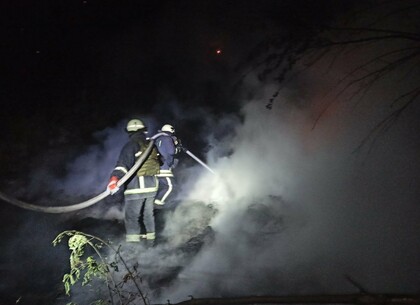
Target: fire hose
[[199, 161], [84, 204], [186, 151]]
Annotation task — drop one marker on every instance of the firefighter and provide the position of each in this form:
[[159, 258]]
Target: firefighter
[[141, 190], [168, 146]]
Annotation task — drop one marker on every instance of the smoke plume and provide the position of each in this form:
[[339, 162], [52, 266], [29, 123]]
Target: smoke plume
[[299, 211]]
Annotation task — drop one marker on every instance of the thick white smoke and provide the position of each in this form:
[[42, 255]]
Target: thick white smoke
[[293, 210], [82, 173], [299, 212]]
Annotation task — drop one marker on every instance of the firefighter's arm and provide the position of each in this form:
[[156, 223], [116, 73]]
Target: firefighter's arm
[[125, 162], [178, 146], [167, 150]]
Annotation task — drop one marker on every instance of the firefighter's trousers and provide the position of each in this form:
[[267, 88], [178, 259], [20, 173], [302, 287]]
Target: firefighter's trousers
[[165, 192], [139, 208]]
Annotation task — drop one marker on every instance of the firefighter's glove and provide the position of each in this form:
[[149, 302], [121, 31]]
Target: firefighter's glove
[[180, 148], [112, 185]]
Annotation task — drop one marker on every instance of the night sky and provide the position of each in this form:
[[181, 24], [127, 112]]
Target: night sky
[[75, 67], [73, 72]]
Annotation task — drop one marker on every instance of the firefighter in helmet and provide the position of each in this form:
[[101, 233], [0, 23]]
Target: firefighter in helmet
[[168, 146], [141, 190]]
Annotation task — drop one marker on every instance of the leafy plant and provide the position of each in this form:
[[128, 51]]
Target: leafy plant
[[86, 268]]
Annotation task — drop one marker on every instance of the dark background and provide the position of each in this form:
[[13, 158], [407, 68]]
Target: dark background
[[71, 69]]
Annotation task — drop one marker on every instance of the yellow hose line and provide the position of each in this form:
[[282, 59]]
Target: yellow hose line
[[84, 204]]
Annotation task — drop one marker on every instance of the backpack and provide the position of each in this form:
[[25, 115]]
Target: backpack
[[151, 165]]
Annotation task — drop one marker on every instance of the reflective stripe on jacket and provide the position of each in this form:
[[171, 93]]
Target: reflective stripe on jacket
[[142, 185], [165, 173]]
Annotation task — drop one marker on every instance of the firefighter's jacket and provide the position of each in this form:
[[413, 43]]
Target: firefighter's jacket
[[167, 147], [145, 180]]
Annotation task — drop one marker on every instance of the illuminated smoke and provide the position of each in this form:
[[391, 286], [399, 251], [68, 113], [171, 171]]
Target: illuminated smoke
[[292, 208], [299, 213]]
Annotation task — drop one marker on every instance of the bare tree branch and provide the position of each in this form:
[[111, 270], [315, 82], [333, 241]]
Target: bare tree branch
[[407, 35]]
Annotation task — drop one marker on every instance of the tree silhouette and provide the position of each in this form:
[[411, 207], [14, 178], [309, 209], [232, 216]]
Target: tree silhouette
[[384, 34]]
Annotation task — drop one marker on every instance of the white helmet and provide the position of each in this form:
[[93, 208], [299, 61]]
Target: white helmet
[[168, 128], [134, 125]]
